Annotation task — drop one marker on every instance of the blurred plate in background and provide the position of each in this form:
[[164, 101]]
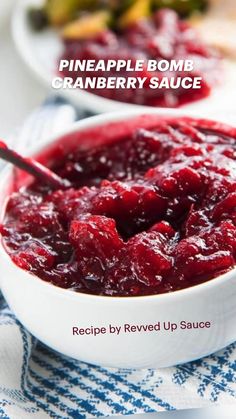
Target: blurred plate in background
[[40, 52]]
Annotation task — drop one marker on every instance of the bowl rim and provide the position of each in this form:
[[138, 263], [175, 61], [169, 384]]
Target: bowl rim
[[84, 124]]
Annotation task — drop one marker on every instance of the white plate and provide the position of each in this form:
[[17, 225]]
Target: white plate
[[40, 52]]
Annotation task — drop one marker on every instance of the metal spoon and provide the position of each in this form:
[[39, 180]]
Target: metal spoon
[[33, 167]]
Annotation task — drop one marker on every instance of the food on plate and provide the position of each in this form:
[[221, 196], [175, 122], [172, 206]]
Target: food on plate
[[163, 36], [150, 212], [218, 26], [60, 12], [87, 26], [132, 30], [184, 7], [138, 10]]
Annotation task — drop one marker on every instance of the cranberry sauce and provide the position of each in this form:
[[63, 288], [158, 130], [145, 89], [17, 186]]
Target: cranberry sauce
[[150, 213], [164, 36]]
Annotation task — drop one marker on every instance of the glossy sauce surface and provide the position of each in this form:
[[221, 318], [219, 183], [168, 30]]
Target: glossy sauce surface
[[152, 212]]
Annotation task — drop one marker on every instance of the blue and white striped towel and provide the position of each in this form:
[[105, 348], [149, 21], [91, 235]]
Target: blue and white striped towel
[[38, 383]]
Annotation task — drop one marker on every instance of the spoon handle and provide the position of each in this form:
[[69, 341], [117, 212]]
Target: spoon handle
[[33, 167]]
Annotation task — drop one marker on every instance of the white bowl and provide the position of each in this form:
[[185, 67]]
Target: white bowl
[[50, 313]]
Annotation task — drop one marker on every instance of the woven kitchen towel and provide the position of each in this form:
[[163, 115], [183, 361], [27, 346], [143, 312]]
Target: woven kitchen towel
[[36, 382]]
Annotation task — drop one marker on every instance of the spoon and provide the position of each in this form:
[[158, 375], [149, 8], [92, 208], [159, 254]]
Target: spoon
[[33, 167]]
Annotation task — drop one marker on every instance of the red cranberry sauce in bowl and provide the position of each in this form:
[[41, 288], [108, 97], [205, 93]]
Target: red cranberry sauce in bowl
[[164, 36], [150, 212]]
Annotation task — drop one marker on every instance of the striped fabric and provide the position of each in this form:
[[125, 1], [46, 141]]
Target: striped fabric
[[38, 383]]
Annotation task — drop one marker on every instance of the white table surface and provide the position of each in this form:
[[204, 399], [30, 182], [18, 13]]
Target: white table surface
[[20, 93]]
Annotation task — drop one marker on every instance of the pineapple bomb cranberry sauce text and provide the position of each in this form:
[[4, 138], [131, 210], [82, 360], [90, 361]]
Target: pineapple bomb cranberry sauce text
[[129, 328], [117, 82], [150, 213]]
